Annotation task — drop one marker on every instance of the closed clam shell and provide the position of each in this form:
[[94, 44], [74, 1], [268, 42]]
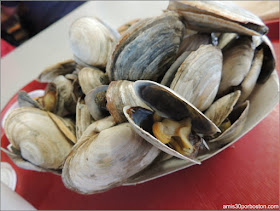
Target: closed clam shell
[[91, 41], [147, 49], [90, 78], [36, 136], [120, 94], [236, 64], [198, 78], [222, 107], [106, 160], [218, 16]]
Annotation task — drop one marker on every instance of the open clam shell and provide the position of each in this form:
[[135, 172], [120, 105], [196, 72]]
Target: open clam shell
[[218, 16], [106, 160], [119, 94], [62, 68], [222, 107], [238, 116], [256, 113], [128, 111], [170, 105]]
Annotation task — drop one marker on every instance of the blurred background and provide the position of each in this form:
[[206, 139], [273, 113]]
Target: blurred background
[[20, 20]]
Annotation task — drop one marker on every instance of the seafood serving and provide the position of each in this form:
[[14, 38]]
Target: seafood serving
[[161, 94]]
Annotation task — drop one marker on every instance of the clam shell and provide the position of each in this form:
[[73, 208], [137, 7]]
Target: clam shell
[[238, 116], [147, 49], [269, 59], [66, 97], [127, 25], [97, 127], [90, 78], [91, 41], [218, 16], [236, 64], [226, 39], [24, 164], [119, 94], [94, 99], [39, 140], [222, 107], [169, 104], [170, 74], [65, 125], [83, 118], [24, 100], [106, 160], [250, 80], [151, 139], [193, 41], [62, 68], [198, 78]]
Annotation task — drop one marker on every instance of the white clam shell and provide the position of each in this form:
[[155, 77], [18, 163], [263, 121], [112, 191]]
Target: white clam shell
[[91, 41], [39, 140], [106, 160], [198, 78]]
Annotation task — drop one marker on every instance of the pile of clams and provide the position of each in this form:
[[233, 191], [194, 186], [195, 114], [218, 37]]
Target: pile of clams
[[168, 93]]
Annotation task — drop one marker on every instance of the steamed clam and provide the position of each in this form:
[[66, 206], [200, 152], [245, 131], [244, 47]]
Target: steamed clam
[[210, 60], [187, 120], [159, 39], [106, 159], [91, 41], [37, 139]]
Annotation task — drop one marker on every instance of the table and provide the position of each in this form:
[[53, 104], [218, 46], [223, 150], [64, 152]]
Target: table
[[245, 173]]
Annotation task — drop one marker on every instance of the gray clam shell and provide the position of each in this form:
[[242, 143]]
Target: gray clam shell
[[147, 49]]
